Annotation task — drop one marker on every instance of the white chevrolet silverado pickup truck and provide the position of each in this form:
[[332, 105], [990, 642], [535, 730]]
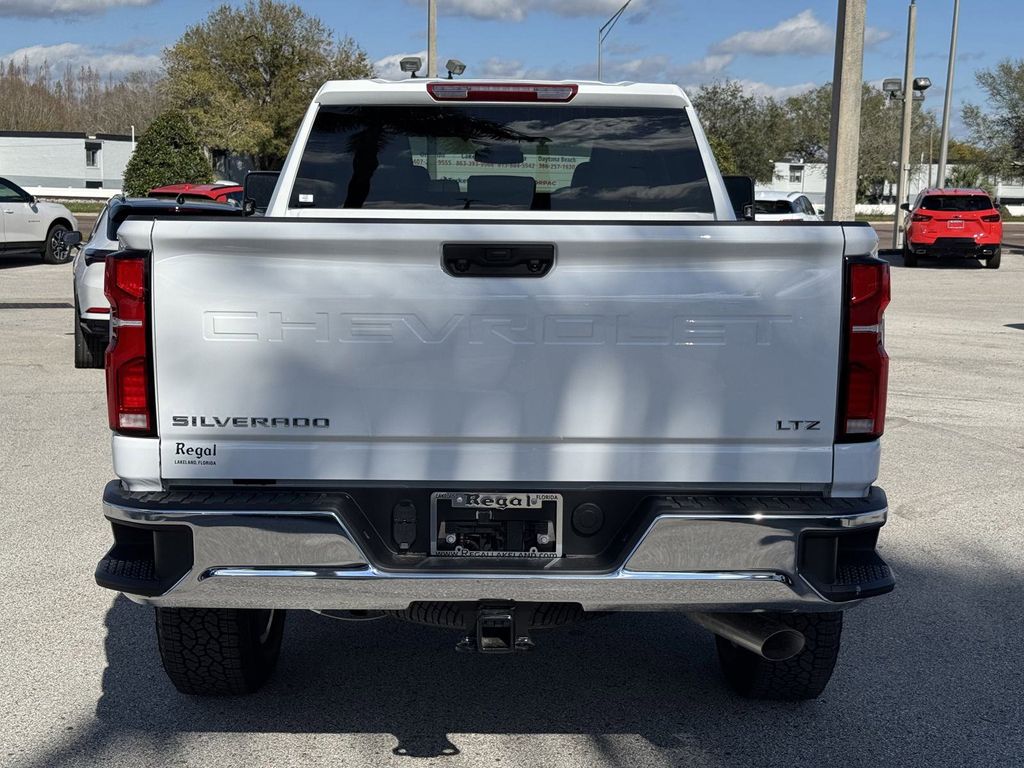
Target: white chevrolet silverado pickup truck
[[498, 357]]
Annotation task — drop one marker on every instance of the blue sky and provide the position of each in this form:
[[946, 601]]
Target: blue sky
[[778, 47]]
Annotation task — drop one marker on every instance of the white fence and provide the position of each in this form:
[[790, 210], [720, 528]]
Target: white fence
[[72, 193]]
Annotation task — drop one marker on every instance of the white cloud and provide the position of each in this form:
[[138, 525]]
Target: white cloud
[[660, 68], [692, 74], [518, 10], [803, 34], [712, 64], [106, 61], [495, 67], [756, 88], [388, 67], [55, 8]]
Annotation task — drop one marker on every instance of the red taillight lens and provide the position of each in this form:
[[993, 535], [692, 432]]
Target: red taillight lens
[[920, 217], [456, 91], [866, 368], [129, 371], [991, 218]]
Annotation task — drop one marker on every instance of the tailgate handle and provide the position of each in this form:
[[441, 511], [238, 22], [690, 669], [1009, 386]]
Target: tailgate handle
[[496, 260]]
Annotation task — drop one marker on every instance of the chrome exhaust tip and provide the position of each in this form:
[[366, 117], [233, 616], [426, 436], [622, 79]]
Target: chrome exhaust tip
[[769, 639]]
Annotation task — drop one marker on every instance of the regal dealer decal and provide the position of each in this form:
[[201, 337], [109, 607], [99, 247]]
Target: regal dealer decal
[[203, 455]]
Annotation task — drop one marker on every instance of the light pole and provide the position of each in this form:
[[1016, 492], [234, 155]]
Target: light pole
[[431, 38], [908, 110], [605, 30], [844, 129], [944, 136], [931, 135]]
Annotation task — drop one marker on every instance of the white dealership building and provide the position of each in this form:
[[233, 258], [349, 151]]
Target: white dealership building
[[810, 179], [46, 162]]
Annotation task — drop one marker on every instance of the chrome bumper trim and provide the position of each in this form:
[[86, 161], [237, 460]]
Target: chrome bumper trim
[[310, 560]]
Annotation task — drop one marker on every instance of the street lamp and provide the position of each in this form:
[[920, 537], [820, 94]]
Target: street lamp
[[911, 87], [893, 88], [918, 86], [605, 30]]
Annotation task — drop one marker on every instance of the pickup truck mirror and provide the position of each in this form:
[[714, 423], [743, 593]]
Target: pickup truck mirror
[[259, 188], [741, 195], [904, 206], [71, 239]]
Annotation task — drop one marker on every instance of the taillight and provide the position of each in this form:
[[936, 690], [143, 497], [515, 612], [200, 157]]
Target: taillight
[[865, 373], [991, 218], [920, 217], [129, 369], [457, 91]]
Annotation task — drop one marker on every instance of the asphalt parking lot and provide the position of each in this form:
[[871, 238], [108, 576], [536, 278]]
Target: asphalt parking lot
[[929, 675]]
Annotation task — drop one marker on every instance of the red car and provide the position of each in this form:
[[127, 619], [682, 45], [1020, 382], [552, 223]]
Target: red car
[[221, 192], [953, 222]]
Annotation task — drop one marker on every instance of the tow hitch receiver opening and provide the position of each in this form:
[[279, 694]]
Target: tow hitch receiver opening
[[496, 631]]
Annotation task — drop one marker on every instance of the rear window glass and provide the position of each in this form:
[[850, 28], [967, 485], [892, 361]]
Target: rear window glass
[[99, 224], [507, 157], [772, 206], [956, 203]]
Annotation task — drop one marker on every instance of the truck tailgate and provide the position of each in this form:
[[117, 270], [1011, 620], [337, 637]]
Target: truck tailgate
[[650, 353]]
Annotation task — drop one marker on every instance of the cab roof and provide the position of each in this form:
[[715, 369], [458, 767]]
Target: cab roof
[[414, 90]]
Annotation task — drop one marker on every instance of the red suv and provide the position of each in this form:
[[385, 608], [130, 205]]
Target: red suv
[[953, 222], [221, 192]]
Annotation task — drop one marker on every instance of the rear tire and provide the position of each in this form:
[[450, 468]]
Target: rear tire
[[219, 651], [55, 252], [909, 259], [802, 677], [89, 348], [992, 262]]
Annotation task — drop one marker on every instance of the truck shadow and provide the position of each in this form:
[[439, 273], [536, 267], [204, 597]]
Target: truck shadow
[[16, 262], [895, 259], [928, 675]]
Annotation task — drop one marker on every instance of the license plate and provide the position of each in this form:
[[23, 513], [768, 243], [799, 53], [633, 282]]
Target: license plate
[[955, 224], [496, 524]]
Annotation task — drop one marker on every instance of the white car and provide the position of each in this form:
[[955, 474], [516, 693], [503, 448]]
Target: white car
[[31, 227], [92, 310], [785, 206]]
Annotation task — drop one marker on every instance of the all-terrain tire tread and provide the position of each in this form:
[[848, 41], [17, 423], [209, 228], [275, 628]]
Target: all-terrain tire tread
[[207, 651], [804, 676], [90, 349]]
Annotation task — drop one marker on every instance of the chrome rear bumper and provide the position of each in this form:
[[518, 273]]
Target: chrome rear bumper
[[243, 556]]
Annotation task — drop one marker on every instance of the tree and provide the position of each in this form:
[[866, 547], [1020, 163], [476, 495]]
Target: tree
[[246, 75], [1000, 131], [752, 128], [723, 156], [808, 116], [807, 120], [169, 152], [968, 176], [79, 100], [965, 152]]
